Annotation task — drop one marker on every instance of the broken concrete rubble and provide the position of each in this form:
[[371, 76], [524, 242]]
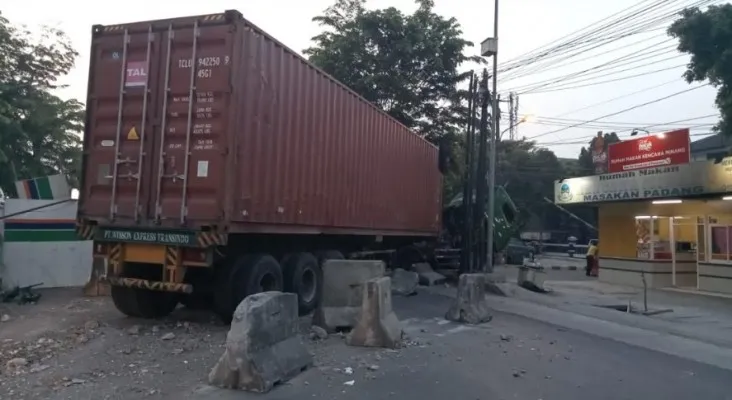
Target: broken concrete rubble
[[471, 304], [377, 325], [427, 275], [263, 347], [343, 282], [404, 283]]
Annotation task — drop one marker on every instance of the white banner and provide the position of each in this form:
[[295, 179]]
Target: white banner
[[696, 178]]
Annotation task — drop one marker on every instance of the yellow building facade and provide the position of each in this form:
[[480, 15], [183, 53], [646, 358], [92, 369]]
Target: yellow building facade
[[669, 225]]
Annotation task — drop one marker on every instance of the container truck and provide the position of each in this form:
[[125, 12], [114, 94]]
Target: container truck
[[219, 163]]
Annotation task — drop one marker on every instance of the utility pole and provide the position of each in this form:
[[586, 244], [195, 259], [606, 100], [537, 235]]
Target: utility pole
[[494, 141], [511, 118], [481, 172], [466, 260], [515, 117]]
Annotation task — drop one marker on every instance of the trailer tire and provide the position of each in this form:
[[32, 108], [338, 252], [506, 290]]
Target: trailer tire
[[250, 274], [140, 303], [304, 277], [407, 256], [325, 255]]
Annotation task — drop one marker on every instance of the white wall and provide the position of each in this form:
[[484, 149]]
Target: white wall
[[55, 263]]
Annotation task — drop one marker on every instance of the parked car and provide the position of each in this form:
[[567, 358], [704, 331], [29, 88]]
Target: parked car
[[516, 251]]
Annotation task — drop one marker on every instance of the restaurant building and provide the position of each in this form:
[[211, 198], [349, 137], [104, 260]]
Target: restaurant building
[[662, 216]]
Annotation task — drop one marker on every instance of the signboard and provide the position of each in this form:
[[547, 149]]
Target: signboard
[[169, 238], [658, 150], [702, 177], [136, 74], [598, 151]]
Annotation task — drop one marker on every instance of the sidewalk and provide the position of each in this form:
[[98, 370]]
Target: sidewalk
[[699, 328]]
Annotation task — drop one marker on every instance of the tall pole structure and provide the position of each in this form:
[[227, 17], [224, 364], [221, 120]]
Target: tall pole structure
[[466, 261], [511, 118], [481, 171], [492, 158]]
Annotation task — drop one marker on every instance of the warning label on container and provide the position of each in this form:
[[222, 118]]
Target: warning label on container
[[136, 73], [132, 134]]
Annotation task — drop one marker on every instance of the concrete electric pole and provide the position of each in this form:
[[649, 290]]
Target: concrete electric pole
[[490, 48]]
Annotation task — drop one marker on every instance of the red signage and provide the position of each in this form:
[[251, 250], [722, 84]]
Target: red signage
[[656, 150], [136, 73]]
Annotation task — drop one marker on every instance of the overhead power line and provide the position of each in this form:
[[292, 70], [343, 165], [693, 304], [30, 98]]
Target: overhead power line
[[625, 25], [619, 97], [622, 111], [646, 73], [646, 126]]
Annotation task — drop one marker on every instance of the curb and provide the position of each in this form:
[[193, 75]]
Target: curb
[[567, 267]]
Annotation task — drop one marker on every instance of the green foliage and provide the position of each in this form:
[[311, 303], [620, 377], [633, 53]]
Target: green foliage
[[39, 132], [528, 174], [405, 64], [707, 37]]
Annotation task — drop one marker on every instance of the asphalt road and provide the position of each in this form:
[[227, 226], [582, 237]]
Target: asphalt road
[[508, 358]]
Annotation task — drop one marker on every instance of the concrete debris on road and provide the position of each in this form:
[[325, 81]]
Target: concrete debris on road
[[5, 318], [168, 336], [318, 333], [343, 282], [377, 326], [404, 283], [428, 276], [471, 304], [263, 346]]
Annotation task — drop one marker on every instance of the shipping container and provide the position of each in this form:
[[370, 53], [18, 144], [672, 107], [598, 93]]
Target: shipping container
[[218, 163], [208, 123]]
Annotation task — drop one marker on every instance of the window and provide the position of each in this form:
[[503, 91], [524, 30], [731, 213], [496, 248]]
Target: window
[[508, 213], [720, 243]]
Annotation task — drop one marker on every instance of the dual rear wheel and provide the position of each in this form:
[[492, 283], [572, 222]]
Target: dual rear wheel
[[298, 273]]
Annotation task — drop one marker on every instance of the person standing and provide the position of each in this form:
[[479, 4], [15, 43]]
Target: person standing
[[592, 252]]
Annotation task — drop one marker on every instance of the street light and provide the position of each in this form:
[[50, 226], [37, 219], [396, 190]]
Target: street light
[[525, 118], [638, 130]]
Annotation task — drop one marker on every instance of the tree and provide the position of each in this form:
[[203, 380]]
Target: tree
[[707, 37], [528, 174], [39, 132], [405, 64]]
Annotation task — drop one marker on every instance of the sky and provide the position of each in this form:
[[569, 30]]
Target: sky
[[524, 25]]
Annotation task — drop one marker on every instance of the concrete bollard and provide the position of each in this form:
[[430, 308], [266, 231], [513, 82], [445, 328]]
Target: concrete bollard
[[403, 282], [471, 304], [263, 347], [377, 325], [97, 285], [343, 282]]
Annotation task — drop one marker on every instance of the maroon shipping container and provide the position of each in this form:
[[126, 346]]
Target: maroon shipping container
[[250, 137]]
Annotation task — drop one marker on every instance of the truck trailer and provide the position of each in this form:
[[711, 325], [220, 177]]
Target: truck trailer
[[219, 163]]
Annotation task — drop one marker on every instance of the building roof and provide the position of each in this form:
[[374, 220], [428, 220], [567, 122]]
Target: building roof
[[709, 143]]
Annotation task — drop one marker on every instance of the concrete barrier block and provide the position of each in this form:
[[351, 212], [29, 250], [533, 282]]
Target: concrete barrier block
[[377, 325], [471, 304], [97, 286], [404, 283], [263, 347], [343, 282], [427, 275]]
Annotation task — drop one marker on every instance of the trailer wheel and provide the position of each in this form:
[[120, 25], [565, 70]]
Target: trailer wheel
[[141, 303], [252, 273], [328, 255], [304, 277], [407, 256]]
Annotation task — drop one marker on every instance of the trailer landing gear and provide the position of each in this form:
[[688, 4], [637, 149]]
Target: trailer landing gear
[[141, 302]]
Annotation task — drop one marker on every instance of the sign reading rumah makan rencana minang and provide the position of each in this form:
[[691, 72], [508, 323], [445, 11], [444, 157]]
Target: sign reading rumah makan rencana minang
[[656, 150]]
